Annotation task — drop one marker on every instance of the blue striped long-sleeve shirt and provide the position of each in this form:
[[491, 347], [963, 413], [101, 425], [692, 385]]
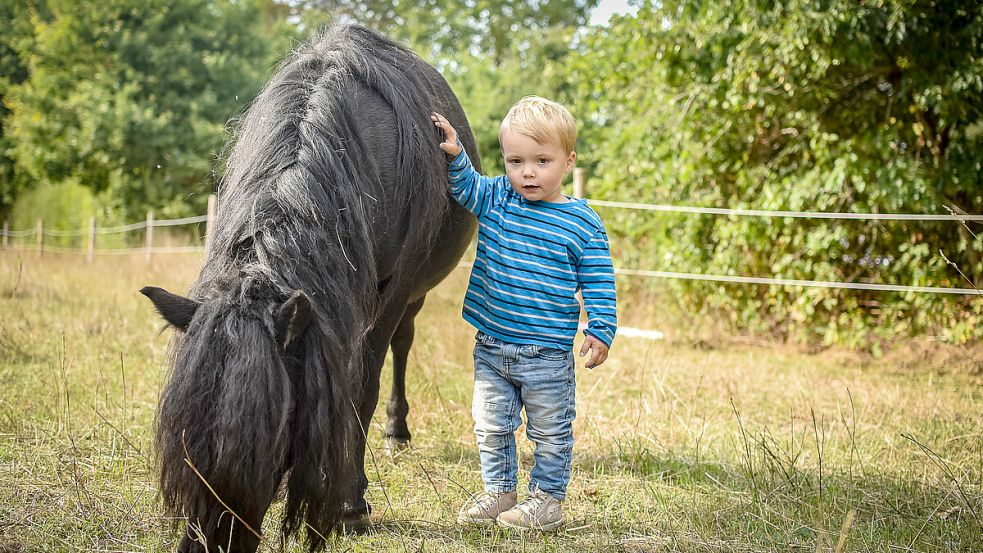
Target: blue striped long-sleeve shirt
[[533, 257]]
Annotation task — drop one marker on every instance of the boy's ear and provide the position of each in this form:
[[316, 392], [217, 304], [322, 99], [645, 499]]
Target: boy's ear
[[570, 161]]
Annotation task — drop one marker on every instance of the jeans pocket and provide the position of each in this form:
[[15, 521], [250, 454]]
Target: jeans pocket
[[551, 354]]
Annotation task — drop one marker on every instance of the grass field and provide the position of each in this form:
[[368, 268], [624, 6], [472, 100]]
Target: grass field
[[679, 448]]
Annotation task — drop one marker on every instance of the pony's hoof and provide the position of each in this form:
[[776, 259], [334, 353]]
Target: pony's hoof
[[396, 445], [356, 518], [357, 525]]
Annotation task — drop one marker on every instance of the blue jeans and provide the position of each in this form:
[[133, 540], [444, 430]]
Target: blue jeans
[[508, 377]]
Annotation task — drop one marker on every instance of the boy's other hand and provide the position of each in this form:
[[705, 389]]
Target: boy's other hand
[[449, 144], [598, 349]]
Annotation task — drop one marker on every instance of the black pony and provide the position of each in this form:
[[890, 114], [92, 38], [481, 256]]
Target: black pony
[[333, 223]]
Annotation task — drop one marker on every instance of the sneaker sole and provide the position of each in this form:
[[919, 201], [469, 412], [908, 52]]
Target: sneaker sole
[[476, 521], [544, 528]]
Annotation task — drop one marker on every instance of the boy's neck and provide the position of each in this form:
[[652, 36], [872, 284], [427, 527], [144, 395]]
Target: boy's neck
[[561, 200]]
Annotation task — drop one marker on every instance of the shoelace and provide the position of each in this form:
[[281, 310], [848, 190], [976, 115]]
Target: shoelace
[[532, 504], [484, 501], [488, 501]]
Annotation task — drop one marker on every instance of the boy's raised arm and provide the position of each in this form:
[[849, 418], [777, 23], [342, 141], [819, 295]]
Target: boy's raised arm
[[476, 192]]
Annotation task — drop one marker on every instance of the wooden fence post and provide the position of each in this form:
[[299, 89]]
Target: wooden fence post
[[579, 183], [39, 233], [150, 236], [90, 254], [6, 234], [210, 220]]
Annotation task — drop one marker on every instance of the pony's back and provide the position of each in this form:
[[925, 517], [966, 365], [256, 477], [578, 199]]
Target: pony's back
[[308, 155]]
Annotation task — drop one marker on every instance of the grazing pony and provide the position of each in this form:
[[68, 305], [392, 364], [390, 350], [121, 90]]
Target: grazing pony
[[333, 223]]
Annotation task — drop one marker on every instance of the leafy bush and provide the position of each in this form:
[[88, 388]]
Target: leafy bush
[[839, 106]]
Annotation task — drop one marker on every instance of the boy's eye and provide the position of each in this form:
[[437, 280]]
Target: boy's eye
[[543, 161]]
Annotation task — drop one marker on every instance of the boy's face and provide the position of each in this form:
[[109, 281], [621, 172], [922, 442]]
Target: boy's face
[[535, 170]]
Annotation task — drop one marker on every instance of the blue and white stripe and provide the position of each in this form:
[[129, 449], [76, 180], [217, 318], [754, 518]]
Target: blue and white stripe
[[533, 257]]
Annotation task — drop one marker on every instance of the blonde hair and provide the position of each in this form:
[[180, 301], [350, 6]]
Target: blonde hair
[[545, 121]]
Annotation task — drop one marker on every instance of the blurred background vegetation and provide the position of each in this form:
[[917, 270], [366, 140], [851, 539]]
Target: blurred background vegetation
[[117, 107]]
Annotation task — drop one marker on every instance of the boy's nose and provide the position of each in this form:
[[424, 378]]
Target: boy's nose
[[528, 171]]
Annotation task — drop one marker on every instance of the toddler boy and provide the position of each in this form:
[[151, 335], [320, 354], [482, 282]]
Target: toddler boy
[[536, 249]]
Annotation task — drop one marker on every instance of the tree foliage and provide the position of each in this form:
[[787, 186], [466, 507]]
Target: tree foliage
[[132, 97], [492, 52], [796, 105], [16, 39], [492, 31]]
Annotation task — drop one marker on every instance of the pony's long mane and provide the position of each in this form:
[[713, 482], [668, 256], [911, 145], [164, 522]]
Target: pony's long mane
[[295, 213]]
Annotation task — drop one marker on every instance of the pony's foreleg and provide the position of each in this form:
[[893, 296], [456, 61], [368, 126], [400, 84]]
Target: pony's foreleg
[[397, 432], [357, 510]]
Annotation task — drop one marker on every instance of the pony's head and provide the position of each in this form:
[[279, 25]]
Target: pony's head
[[224, 424]]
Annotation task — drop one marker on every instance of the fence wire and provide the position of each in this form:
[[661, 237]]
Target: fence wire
[[796, 282], [951, 216], [790, 214]]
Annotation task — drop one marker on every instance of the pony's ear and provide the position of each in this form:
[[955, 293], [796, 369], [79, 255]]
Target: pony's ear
[[176, 310], [293, 318]]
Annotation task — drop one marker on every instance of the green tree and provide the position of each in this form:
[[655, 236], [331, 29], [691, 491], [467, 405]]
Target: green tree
[[131, 98], [796, 105], [439, 29], [488, 91], [16, 38], [492, 52]]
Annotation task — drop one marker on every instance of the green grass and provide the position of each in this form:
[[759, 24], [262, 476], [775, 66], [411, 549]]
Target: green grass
[[679, 448]]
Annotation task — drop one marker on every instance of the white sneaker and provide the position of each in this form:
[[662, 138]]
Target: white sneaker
[[483, 508], [540, 511]]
